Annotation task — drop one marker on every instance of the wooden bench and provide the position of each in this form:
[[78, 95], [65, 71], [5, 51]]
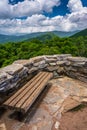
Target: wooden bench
[[25, 96]]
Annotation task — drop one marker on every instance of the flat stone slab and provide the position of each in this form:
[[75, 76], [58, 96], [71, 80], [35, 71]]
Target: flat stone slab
[[69, 104], [64, 94], [23, 62], [13, 68], [77, 59]]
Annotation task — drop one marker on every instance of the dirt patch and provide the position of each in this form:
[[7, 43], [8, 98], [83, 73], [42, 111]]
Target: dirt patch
[[76, 120]]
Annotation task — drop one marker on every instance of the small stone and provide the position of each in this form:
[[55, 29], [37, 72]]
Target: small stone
[[34, 128], [52, 64], [57, 125], [61, 63], [2, 127]]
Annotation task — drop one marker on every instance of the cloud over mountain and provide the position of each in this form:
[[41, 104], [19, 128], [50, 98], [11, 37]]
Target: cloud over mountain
[[12, 21]]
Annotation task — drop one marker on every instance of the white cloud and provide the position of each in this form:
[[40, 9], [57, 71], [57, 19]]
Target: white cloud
[[37, 22], [75, 5], [26, 8], [4, 9], [47, 5], [78, 14]]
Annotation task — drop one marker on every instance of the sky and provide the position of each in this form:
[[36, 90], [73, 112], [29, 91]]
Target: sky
[[28, 16]]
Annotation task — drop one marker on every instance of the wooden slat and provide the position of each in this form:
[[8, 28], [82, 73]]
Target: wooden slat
[[20, 103], [33, 97], [24, 98], [21, 98], [21, 90]]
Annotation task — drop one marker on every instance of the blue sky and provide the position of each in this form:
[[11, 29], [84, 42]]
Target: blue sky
[[28, 16], [60, 10]]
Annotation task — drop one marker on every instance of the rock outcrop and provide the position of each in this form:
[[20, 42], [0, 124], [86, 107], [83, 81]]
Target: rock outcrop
[[16, 74]]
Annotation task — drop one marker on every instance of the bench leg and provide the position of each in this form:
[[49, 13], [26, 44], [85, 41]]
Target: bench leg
[[20, 116]]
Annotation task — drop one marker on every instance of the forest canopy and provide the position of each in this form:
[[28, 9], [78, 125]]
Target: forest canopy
[[10, 52]]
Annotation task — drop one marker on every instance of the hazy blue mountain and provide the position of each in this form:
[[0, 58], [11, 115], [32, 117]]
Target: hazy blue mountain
[[64, 34], [12, 38], [81, 33]]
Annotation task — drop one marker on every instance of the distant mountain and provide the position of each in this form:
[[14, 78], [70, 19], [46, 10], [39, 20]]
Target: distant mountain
[[64, 34], [39, 35], [81, 33], [12, 38], [46, 36]]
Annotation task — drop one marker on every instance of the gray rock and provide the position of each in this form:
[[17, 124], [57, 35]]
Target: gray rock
[[42, 65], [33, 69], [51, 57], [59, 63], [77, 59], [64, 56], [5, 84], [52, 68], [37, 59], [52, 64], [38, 64], [70, 68], [82, 70], [26, 63], [50, 60], [3, 76], [20, 71], [60, 70], [13, 69], [85, 65], [80, 64]]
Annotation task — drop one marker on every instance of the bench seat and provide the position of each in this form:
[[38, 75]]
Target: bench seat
[[25, 96]]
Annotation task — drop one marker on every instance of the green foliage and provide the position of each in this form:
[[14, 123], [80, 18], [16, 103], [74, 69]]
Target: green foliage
[[10, 52], [81, 33], [78, 108]]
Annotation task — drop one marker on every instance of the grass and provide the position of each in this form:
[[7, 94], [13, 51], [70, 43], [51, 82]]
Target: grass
[[79, 107]]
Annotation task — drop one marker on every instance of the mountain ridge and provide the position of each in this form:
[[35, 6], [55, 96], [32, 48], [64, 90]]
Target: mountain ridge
[[14, 38], [81, 33]]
